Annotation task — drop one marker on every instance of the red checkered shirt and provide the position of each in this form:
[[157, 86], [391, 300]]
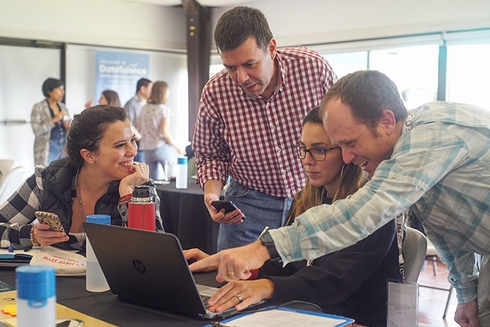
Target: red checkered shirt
[[251, 138]]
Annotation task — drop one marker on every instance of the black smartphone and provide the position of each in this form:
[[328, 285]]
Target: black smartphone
[[227, 205]]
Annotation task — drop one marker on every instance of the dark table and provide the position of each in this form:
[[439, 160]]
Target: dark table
[[185, 215], [70, 292]]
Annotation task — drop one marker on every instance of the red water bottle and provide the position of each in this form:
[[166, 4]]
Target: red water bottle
[[141, 208]]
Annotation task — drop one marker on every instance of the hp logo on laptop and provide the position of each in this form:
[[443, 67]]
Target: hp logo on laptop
[[139, 266]]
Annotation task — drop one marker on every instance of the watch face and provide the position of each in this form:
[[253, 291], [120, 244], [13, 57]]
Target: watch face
[[268, 242], [266, 238]]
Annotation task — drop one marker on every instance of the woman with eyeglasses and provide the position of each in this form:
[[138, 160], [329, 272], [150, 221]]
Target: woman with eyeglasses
[[351, 282]]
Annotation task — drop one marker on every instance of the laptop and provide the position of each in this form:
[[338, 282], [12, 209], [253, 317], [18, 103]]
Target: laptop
[[149, 269]]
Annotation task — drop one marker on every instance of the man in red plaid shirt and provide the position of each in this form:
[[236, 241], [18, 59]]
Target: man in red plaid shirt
[[249, 118]]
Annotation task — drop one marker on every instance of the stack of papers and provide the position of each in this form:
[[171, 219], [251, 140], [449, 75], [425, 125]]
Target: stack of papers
[[285, 316]]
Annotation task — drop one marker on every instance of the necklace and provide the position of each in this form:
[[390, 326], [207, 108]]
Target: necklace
[[79, 195]]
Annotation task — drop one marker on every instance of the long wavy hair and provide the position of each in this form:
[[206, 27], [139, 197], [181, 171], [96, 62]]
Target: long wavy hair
[[352, 178]]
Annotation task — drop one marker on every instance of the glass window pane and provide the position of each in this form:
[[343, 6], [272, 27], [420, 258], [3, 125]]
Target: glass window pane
[[467, 74], [214, 69], [413, 69], [345, 63]]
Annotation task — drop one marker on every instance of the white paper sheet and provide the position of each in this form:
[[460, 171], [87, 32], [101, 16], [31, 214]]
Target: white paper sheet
[[281, 318]]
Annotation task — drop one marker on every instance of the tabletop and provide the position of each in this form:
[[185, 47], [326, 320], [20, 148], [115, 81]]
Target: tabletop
[[70, 292]]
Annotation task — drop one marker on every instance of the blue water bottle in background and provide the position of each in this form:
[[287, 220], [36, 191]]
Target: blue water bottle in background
[[36, 296], [181, 178]]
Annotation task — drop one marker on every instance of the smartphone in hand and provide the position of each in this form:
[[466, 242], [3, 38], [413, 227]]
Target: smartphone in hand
[[51, 219], [224, 204]]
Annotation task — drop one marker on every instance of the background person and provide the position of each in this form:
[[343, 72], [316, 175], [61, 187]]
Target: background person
[[157, 143], [249, 115], [107, 98], [133, 109], [97, 177], [351, 282], [50, 123], [433, 159]]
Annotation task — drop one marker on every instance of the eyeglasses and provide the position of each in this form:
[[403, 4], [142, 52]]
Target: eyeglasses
[[317, 154]]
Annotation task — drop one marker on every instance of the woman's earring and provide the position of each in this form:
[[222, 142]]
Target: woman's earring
[[342, 170]]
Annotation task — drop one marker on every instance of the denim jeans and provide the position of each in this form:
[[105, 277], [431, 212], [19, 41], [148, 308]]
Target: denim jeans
[[158, 156], [56, 150], [260, 210], [140, 157]]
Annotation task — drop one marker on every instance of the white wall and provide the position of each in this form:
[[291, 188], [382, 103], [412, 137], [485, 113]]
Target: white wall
[[293, 22], [21, 78], [99, 22], [306, 22]]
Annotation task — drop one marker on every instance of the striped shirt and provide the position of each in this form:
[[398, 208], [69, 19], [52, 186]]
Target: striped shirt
[[251, 138], [441, 170]]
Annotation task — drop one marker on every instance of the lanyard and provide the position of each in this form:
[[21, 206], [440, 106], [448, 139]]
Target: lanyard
[[400, 222], [401, 218]]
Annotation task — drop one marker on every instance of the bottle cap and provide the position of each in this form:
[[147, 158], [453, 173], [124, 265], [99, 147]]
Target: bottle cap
[[182, 161], [142, 191], [35, 282], [99, 219]]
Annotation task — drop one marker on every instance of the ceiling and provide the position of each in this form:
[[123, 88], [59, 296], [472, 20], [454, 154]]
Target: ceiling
[[205, 3]]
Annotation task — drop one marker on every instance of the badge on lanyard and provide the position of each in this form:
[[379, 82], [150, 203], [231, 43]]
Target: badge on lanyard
[[403, 298], [403, 304]]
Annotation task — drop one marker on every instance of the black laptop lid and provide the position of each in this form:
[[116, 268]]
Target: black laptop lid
[[146, 268]]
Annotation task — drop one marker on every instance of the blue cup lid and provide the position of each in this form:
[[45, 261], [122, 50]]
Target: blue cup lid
[[100, 219], [35, 282], [181, 160]]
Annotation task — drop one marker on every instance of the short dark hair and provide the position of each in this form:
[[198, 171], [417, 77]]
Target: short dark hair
[[368, 93], [142, 82], [112, 98], [236, 25], [50, 84], [88, 128]]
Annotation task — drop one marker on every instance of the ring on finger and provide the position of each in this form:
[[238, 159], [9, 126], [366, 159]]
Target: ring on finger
[[239, 297], [142, 169]]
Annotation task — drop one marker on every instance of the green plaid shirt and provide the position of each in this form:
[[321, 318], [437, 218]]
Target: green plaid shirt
[[441, 170]]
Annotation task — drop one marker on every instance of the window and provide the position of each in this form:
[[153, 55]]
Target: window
[[468, 74], [345, 63], [412, 62], [414, 69]]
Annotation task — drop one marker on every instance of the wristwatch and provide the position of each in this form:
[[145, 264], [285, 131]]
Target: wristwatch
[[268, 242]]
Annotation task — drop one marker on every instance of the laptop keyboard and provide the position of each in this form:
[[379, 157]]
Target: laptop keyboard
[[205, 300]]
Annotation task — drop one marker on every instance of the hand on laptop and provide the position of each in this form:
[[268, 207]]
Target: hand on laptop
[[194, 255], [234, 264], [241, 294]]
